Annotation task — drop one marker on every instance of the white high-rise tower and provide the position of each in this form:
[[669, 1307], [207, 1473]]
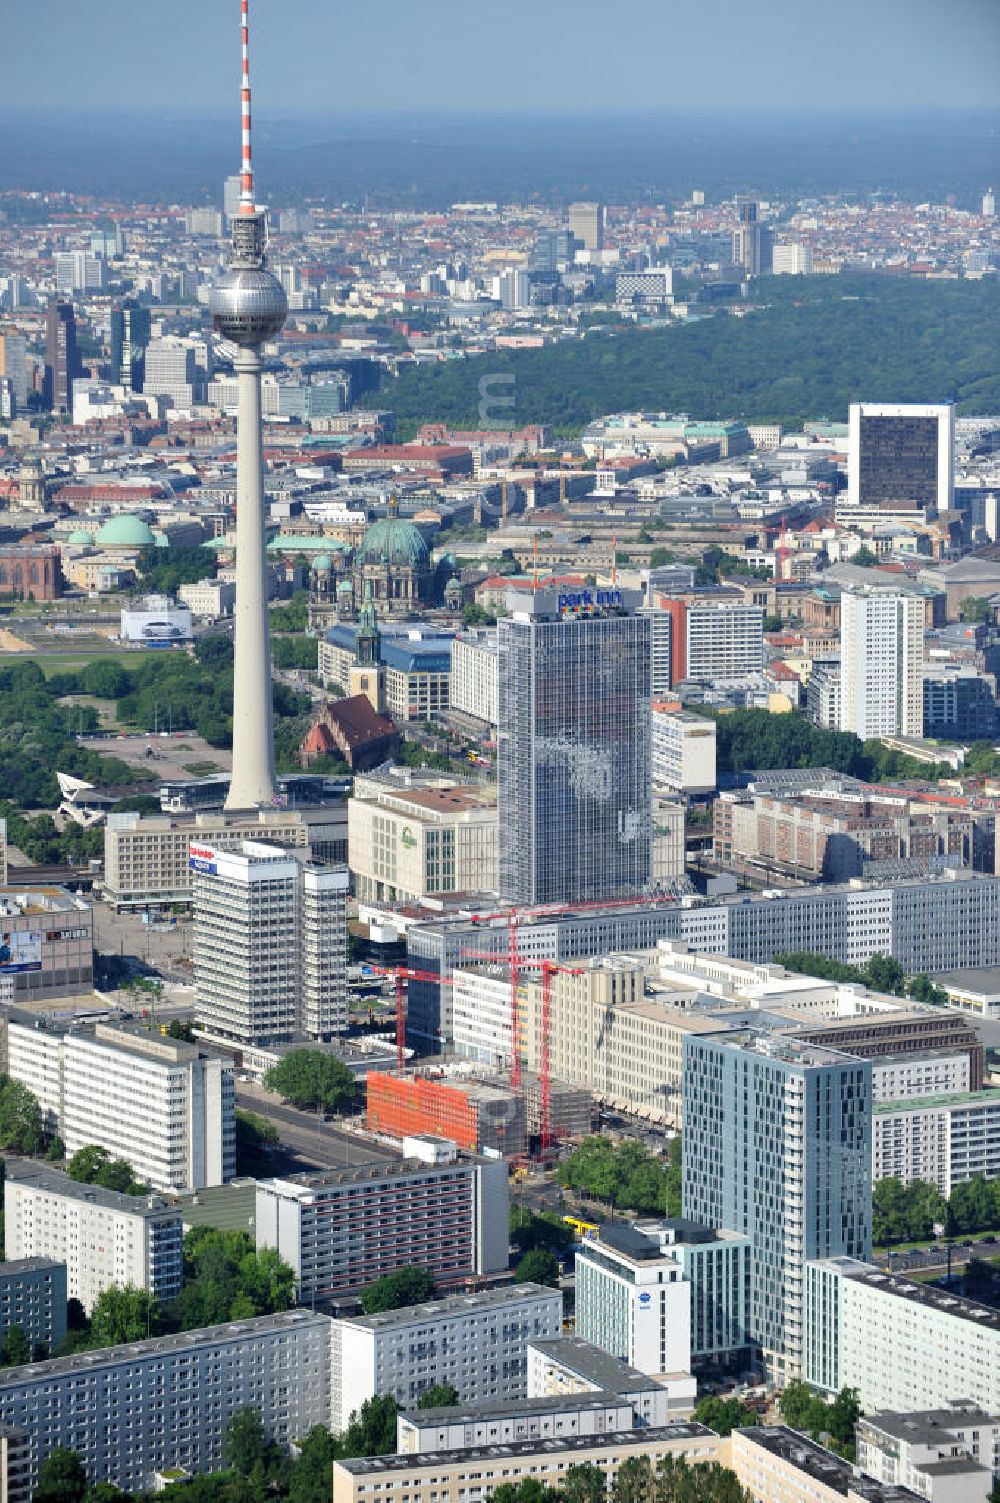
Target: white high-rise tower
[[248, 307]]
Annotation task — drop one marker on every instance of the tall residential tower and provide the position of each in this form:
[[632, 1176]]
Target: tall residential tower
[[248, 307]]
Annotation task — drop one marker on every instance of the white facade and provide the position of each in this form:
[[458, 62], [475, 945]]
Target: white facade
[[270, 944], [660, 638], [475, 675], [795, 260], [668, 854], [481, 1019], [132, 1411], [170, 371], [161, 1104], [902, 1345], [882, 663], [415, 834], [103, 1238], [638, 1310], [459, 1428], [208, 599], [476, 1342], [683, 757], [887, 463], [565, 1365], [903, 1450], [942, 1139], [905, 1076], [724, 640]]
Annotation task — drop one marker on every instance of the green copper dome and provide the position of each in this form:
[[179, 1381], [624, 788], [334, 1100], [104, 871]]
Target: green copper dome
[[322, 563], [125, 532], [394, 541], [80, 535]]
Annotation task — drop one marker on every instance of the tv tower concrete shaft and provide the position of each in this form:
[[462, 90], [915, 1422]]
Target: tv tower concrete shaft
[[248, 308], [253, 781]]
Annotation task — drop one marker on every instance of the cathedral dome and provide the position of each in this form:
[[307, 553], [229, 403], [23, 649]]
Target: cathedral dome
[[394, 542]]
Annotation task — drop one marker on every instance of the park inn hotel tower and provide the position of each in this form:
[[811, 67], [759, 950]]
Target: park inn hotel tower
[[573, 744]]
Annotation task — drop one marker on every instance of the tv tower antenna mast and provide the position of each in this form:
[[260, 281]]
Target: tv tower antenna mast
[[248, 307]]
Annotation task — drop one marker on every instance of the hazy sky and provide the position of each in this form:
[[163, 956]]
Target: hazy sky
[[532, 55]]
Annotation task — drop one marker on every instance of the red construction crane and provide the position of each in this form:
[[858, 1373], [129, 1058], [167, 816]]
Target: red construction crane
[[404, 974], [548, 969]]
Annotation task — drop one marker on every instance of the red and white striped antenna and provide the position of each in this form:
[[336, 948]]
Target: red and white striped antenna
[[247, 205]]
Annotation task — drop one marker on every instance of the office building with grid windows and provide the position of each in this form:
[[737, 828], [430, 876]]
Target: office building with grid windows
[[132, 1411], [270, 945], [777, 1146], [573, 743]]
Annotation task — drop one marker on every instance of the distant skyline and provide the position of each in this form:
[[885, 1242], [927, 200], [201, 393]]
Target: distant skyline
[[573, 56]]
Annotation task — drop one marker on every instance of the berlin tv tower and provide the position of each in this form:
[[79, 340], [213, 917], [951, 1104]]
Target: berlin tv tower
[[248, 307]]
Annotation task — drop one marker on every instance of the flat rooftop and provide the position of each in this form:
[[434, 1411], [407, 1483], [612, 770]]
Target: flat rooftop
[[498, 1409], [137, 1351], [362, 1466], [928, 1295], [54, 1182], [452, 1305], [607, 1373], [989, 1097], [983, 981], [823, 1466], [928, 1426], [13, 1266], [355, 1174]]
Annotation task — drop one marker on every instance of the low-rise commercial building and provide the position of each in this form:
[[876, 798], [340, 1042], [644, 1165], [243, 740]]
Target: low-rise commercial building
[[459, 1476], [415, 664], [945, 1455], [944, 1140], [476, 1342], [413, 834], [904, 1346], [33, 1296], [463, 1426], [209, 599], [474, 1114], [132, 1411], [102, 1237], [147, 856], [345, 1228], [975, 990], [165, 1106], [46, 942], [778, 1465], [564, 1365]]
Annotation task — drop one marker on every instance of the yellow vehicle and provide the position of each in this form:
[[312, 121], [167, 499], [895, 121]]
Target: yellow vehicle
[[584, 1229]]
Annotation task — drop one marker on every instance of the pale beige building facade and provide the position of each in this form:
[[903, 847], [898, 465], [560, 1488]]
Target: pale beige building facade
[[413, 834]]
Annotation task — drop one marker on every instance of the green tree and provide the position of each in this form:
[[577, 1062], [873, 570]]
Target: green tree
[[226, 1278], [409, 1285], [310, 1079], [634, 1482], [254, 1136], [922, 989], [438, 1396], [885, 974], [844, 1413], [584, 1483], [723, 1415], [531, 1229], [372, 1429], [244, 1443], [310, 1479], [61, 1478], [975, 608], [124, 1313], [105, 1492], [93, 1165], [56, 1151], [539, 1266], [16, 1347], [20, 1119]]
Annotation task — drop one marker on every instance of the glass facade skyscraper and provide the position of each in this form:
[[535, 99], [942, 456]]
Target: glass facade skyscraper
[[573, 747]]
